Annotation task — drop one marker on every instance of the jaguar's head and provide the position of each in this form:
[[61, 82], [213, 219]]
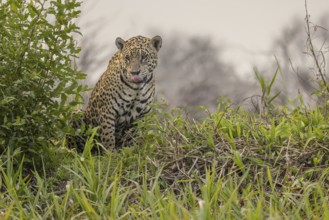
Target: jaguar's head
[[140, 55]]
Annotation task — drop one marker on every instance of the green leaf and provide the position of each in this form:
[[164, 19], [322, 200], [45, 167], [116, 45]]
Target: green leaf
[[272, 81], [6, 100], [273, 97], [260, 80]]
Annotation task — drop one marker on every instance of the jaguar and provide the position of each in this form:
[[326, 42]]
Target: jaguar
[[123, 93]]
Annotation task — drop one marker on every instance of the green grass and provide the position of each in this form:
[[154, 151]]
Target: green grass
[[233, 164]]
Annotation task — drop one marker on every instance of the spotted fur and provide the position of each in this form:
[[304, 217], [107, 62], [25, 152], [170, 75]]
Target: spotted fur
[[123, 93]]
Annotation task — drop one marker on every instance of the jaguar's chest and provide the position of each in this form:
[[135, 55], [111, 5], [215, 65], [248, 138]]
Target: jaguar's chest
[[135, 106]]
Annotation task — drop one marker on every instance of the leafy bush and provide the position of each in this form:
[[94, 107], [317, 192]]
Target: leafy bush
[[38, 80]]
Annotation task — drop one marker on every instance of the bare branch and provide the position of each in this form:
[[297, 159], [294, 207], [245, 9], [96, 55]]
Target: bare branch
[[311, 48]]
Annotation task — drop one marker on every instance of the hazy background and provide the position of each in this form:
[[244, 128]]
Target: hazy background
[[210, 48]]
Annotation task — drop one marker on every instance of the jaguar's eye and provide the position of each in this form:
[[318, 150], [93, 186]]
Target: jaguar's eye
[[127, 58]]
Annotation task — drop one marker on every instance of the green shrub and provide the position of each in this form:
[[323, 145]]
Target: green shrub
[[38, 78]]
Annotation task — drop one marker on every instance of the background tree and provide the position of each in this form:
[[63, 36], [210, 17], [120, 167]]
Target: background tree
[[191, 72]]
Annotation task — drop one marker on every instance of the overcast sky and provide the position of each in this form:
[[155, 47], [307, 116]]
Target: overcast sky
[[244, 26]]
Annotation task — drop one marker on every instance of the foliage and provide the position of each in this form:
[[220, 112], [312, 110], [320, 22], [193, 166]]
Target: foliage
[[266, 99], [38, 81], [233, 164]]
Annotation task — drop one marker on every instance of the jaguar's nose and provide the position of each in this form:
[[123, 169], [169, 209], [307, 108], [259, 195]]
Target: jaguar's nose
[[135, 72]]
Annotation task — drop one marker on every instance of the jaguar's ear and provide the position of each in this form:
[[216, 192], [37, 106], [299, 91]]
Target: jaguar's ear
[[156, 42], [120, 43]]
